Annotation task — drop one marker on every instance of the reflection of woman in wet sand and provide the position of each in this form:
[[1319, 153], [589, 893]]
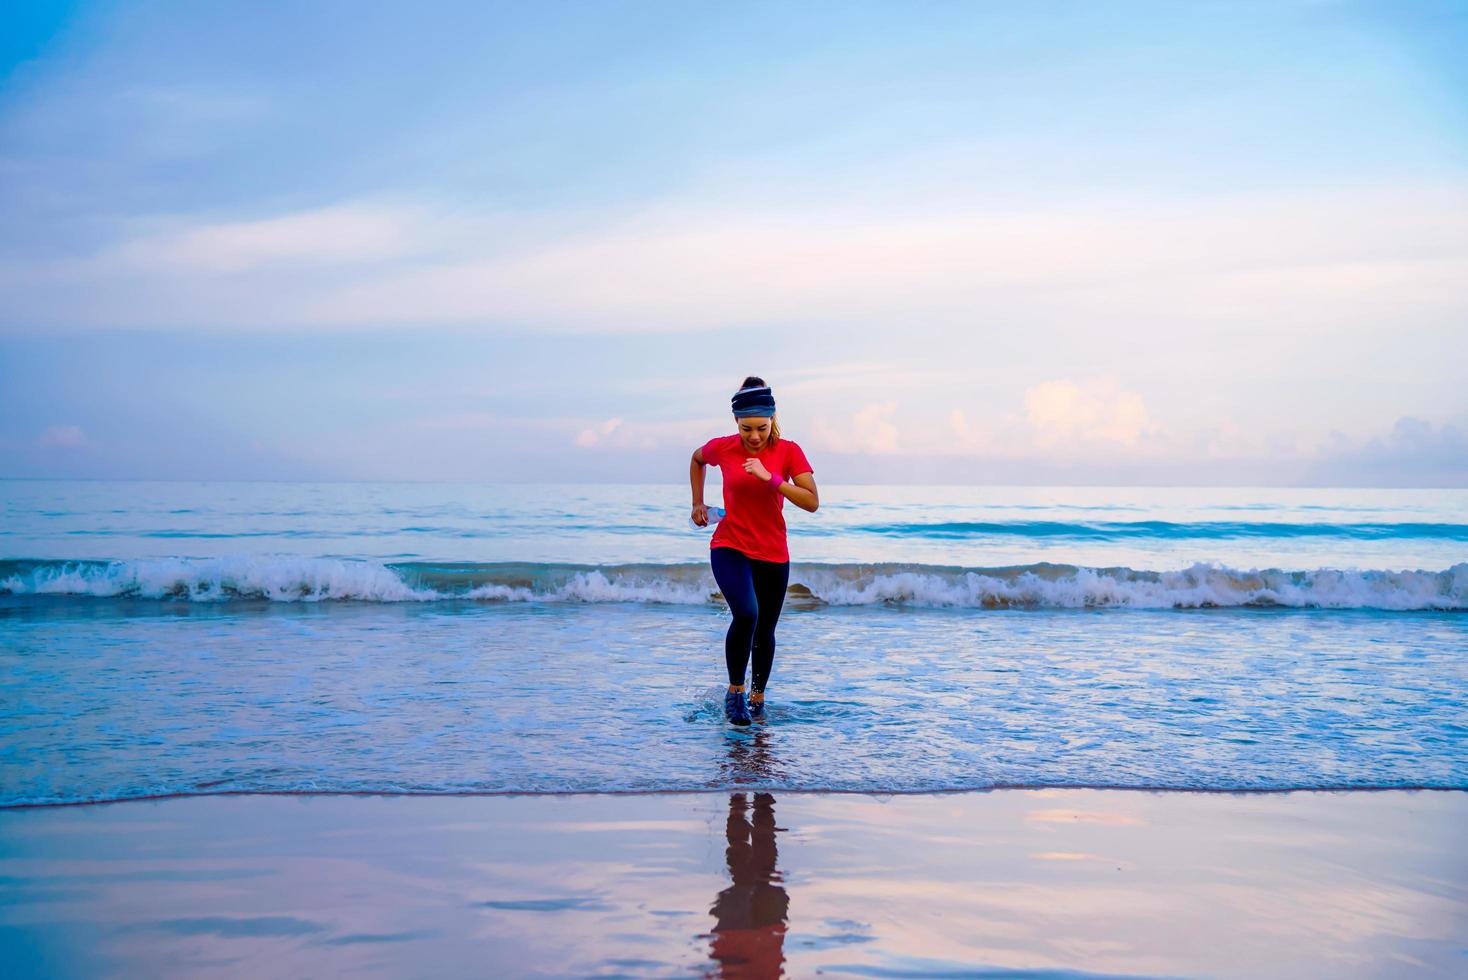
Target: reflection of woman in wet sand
[[749, 935]]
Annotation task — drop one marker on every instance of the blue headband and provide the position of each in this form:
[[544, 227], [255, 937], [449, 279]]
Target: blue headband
[[753, 401]]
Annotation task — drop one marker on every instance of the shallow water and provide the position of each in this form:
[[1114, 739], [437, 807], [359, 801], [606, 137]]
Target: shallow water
[[188, 657], [114, 699]]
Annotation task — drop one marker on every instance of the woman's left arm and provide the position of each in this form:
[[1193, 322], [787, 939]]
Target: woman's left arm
[[801, 491], [800, 488]]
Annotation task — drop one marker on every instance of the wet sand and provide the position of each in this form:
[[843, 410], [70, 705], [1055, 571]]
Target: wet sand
[[1009, 883]]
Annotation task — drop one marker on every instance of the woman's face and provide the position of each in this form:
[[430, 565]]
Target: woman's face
[[754, 430]]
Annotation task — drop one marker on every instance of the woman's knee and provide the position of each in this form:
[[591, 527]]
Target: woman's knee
[[767, 614], [746, 614]]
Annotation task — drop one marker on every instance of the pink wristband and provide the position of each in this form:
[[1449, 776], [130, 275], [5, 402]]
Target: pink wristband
[[775, 480]]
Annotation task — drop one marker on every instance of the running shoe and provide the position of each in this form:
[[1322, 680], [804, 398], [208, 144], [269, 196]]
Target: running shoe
[[757, 709], [735, 709]]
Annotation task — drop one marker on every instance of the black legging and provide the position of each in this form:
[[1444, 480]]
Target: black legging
[[755, 592]]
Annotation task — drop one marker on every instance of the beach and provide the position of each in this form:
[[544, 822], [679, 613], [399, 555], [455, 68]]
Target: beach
[[1013, 883]]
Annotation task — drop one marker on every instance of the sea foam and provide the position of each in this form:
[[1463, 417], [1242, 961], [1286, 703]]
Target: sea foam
[[1040, 586]]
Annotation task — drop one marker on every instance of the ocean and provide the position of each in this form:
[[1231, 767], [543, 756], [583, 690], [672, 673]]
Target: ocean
[[200, 638]]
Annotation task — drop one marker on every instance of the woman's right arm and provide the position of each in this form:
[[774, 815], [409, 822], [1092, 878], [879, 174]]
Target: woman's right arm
[[696, 467]]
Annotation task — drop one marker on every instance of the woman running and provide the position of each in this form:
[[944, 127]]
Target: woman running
[[748, 552]]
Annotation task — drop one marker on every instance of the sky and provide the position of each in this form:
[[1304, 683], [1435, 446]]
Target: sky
[[976, 243]]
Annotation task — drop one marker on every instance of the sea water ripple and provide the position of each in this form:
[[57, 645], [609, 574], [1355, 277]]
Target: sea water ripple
[[162, 638], [115, 699]]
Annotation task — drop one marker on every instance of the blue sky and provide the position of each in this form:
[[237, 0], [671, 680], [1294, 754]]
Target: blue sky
[[1070, 242]]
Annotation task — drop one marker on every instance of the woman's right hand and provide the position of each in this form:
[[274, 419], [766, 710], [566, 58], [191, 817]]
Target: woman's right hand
[[700, 515]]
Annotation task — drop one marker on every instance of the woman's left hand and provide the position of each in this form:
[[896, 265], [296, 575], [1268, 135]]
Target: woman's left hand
[[755, 468]]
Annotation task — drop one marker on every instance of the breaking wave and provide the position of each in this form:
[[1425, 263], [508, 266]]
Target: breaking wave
[[1039, 586]]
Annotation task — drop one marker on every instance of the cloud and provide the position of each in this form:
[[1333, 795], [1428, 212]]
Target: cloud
[[858, 375], [595, 435], [62, 437], [1414, 452], [1301, 258], [868, 430], [1255, 262], [675, 437], [1065, 413], [959, 421], [341, 234], [1055, 419], [966, 436]]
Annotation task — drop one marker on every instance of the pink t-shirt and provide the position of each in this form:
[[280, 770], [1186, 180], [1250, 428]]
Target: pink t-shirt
[[753, 522]]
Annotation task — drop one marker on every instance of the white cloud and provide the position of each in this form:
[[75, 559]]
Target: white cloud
[[869, 430], [1328, 261], [1296, 258], [342, 234], [681, 435], [1050, 420], [610, 433], [597, 434], [969, 436], [1227, 439], [63, 437], [1065, 413], [857, 375]]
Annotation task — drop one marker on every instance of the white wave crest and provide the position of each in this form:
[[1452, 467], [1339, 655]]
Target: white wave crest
[[1200, 586], [596, 587], [293, 579], [218, 579]]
